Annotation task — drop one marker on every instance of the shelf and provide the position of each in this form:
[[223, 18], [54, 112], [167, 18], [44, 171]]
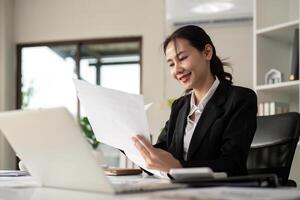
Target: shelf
[[282, 32], [275, 22], [288, 87]]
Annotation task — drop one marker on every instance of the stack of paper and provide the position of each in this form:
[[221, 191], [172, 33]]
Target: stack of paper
[[115, 118], [13, 173]]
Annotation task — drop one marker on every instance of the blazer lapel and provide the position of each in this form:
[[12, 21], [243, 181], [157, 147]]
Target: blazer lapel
[[210, 113], [180, 126]]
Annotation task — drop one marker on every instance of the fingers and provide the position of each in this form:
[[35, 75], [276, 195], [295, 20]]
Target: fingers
[[148, 157], [141, 148], [154, 158], [145, 142]]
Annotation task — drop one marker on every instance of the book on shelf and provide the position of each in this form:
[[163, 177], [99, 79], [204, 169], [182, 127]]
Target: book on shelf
[[261, 109], [295, 57], [272, 108], [266, 108]]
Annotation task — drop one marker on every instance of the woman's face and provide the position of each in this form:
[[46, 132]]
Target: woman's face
[[188, 65]]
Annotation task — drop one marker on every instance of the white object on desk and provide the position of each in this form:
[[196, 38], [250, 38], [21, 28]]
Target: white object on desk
[[22, 166], [13, 173], [20, 181], [196, 172]]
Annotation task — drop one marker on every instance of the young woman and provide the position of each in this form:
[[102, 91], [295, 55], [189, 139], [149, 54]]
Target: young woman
[[213, 124]]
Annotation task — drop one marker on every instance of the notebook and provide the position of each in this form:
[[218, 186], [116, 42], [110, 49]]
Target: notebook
[[56, 154]]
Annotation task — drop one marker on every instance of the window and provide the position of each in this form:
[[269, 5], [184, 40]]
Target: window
[[47, 79], [45, 73]]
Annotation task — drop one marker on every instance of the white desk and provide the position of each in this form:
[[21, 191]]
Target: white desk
[[39, 193]]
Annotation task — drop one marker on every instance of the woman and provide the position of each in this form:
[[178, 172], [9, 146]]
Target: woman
[[214, 123]]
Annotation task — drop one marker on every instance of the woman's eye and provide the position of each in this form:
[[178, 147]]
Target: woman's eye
[[182, 58], [171, 65]]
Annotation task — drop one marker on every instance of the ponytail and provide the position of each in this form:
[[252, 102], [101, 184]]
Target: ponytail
[[217, 69]]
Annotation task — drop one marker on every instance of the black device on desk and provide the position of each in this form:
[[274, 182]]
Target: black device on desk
[[262, 180], [112, 171]]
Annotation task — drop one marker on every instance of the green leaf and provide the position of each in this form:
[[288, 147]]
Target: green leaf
[[88, 131]]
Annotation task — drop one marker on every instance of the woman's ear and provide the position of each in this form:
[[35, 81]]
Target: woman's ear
[[208, 52]]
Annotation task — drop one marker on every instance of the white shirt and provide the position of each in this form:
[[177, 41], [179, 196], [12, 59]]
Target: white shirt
[[197, 109]]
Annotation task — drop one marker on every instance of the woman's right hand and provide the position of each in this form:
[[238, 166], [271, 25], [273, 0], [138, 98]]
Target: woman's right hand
[[155, 158]]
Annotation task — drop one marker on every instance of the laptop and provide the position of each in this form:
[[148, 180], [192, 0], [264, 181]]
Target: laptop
[[56, 154]]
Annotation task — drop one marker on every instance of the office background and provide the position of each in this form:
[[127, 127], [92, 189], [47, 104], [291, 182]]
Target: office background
[[31, 21]]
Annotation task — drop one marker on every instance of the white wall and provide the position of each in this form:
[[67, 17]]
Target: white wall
[[56, 20], [233, 41], [7, 86]]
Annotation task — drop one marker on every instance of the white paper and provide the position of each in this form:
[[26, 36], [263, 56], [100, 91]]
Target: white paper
[[20, 181], [148, 106], [13, 173], [115, 118]]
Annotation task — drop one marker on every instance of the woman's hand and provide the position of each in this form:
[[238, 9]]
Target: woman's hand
[[155, 158]]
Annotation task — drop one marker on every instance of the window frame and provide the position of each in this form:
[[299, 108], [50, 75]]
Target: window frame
[[78, 44]]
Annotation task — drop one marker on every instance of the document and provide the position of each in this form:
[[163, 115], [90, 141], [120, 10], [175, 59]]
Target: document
[[13, 173], [115, 118], [18, 181]]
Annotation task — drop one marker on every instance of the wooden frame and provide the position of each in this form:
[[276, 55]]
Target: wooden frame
[[78, 44]]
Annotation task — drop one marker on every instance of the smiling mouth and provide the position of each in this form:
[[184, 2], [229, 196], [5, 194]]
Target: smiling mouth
[[185, 77]]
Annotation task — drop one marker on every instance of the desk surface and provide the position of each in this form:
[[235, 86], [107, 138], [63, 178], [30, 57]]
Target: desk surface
[[40, 193]]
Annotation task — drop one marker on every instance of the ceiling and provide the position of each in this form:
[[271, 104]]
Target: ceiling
[[207, 10]]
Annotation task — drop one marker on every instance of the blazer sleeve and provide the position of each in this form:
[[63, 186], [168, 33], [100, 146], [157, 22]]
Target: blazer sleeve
[[162, 139], [236, 139]]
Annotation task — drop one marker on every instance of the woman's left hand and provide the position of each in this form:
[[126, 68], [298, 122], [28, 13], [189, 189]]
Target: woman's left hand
[[155, 158]]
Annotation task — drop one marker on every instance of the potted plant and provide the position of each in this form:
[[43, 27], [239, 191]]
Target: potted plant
[[88, 131]]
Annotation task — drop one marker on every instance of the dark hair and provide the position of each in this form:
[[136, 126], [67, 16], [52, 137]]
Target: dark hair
[[198, 38]]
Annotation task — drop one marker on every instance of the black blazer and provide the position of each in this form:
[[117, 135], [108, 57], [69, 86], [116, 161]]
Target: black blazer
[[223, 134]]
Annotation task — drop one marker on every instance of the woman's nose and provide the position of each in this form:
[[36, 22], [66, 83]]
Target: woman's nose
[[178, 68]]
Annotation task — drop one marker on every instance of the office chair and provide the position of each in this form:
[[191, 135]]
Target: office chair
[[274, 145]]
